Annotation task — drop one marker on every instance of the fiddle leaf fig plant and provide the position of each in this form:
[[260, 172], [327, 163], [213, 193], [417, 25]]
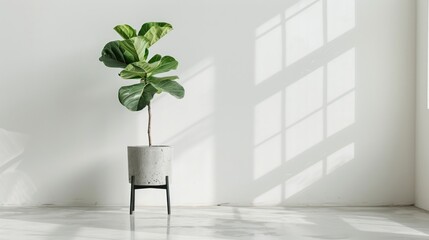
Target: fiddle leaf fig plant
[[131, 54]]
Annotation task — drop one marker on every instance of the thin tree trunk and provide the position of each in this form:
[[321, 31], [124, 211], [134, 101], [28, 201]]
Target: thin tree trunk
[[148, 125]]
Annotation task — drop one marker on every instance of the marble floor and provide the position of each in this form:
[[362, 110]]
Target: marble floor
[[216, 223]]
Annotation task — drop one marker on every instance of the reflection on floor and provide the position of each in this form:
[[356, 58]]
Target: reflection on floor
[[189, 223]]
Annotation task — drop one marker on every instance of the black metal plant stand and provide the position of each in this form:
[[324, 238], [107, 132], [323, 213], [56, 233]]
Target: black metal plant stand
[[133, 193]]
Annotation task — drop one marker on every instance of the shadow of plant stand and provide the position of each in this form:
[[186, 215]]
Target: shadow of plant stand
[[133, 193]]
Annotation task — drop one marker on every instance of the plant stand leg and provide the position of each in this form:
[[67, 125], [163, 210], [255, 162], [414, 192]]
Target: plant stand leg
[[132, 197], [167, 187]]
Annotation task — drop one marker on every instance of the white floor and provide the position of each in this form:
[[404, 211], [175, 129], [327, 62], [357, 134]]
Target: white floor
[[213, 223]]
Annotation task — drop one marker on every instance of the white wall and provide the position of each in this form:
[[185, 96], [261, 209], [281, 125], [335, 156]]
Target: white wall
[[293, 102], [422, 108]]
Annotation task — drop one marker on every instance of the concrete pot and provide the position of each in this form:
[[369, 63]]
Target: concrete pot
[[149, 165]]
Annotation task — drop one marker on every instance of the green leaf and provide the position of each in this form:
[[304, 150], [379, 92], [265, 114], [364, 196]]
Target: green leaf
[[114, 56], [126, 31], [160, 64], [146, 53], [155, 58], [153, 31], [172, 87], [160, 79], [143, 69], [141, 47], [129, 50], [135, 48], [167, 63], [133, 71], [137, 70], [136, 97], [148, 94], [132, 96]]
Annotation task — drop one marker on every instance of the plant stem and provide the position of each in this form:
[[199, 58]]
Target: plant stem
[[148, 125]]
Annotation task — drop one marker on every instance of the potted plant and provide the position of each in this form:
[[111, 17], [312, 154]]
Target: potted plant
[[147, 165]]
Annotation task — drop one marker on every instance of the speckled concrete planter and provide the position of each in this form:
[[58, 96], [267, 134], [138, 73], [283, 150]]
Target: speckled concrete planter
[[149, 165]]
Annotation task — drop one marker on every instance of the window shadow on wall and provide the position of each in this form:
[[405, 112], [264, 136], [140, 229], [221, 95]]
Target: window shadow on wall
[[280, 126]]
